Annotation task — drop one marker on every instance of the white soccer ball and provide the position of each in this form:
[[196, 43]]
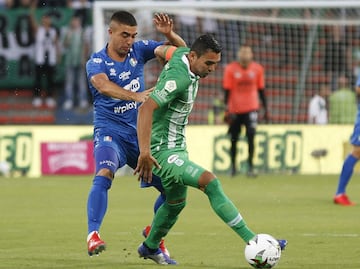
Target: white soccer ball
[[263, 251]]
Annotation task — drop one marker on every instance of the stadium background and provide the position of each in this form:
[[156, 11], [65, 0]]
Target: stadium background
[[290, 41]]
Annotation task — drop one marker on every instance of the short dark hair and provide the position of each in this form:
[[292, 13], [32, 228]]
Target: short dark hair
[[124, 17], [205, 43]]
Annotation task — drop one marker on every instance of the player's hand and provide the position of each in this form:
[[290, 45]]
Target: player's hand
[[163, 23], [143, 96], [228, 117], [144, 167]]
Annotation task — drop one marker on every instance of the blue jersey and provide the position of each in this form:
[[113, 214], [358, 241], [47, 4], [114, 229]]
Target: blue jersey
[[355, 137], [358, 85], [117, 115]]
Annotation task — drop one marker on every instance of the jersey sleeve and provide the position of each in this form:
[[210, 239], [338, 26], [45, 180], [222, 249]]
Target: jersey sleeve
[[95, 65], [168, 89], [261, 78], [147, 48], [228, 78]]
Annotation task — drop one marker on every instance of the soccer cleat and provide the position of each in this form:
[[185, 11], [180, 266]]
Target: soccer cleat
[[145, 233], [283, 243], [343, 199], [157, 256], [95, 244]]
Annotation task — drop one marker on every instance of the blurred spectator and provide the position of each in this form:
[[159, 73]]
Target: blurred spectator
[[46, 54], [294, 35], [23, 3], [51, 3], [144, 18], [188, 25], [209, 24], [6, 3], [317, 111], [81, 9], [342, 103], [76, 54], [337, 55]]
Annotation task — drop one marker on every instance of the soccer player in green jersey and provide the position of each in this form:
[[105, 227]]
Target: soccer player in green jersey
[[161, 134]]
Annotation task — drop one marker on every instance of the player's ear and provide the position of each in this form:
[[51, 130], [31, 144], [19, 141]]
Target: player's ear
[[192, 56]]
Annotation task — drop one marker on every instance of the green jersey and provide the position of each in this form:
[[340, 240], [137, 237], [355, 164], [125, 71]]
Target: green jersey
[[175, 93]]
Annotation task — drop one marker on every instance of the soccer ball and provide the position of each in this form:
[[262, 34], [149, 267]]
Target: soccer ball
[[263, 251]]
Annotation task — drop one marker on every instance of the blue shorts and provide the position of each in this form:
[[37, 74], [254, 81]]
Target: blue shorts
[[113, 151], [355, 137]]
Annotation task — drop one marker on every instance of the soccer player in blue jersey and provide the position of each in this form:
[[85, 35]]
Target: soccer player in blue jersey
[[341, 197], [116, 81]]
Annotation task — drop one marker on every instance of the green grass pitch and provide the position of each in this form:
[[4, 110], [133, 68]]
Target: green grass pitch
[[43, 223]]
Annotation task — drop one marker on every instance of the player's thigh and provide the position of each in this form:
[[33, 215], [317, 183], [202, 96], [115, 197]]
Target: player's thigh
[[355, 140], [131, 151], [251, 122], [108, 151], [177, 169], [235, 127]]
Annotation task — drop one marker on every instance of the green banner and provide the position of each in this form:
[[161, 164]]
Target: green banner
[[280, 152]]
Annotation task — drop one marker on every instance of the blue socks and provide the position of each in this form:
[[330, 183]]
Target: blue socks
[[159, 201], [97, 202], [346, 173]]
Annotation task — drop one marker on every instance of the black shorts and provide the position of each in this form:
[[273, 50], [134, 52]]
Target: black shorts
[[249, 120]]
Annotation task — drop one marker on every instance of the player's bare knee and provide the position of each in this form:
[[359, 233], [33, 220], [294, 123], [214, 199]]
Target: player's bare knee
[[177, 205], [178, 201], [355, 151], [105, 173], [205, 179]]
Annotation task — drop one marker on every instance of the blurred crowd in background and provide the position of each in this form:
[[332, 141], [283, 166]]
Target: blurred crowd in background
[[296, 71]]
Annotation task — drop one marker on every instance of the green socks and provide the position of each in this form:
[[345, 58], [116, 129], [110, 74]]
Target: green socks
[[227, 211], [165, 218], [167, 215]]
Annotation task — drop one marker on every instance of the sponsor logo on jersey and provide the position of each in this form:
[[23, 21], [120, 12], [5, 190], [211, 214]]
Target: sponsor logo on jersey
[[97, 60], [133, 62], [124, 108], [170, 85], [133, 86], [175, 159], [109, 63], [162, 94], [112, 72], [146, 42], [125, 75]]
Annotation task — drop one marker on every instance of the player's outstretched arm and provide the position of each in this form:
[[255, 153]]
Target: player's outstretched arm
[[144, 124], [102, 83], [164, 53], [164, 24]]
